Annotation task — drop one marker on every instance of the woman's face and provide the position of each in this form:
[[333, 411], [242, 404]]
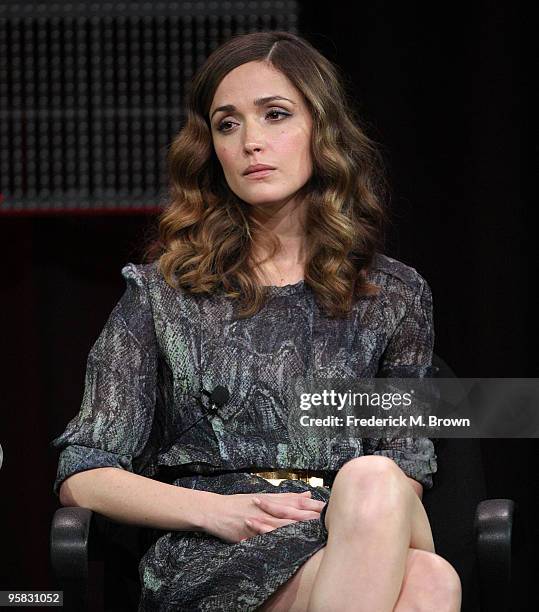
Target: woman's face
[[254, 129]]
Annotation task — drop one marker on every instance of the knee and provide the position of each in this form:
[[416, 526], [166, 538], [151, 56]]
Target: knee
[[373, 473], [367, 468], [438, 586], [369, 486], [448, 591]]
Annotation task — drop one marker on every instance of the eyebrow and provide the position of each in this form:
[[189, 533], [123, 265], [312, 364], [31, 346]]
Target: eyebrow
[[258, 102]]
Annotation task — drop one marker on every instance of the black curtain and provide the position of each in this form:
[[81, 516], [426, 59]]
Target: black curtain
[[446, 91]]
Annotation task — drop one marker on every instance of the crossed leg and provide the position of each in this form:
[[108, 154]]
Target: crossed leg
[[379, 554], [425, 587]]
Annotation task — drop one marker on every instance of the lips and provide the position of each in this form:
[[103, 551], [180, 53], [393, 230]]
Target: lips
[[257, 168], [259, 175]]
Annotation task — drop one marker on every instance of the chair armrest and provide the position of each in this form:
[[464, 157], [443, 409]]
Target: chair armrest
[[85, 547], [493, 528], [69, 543]]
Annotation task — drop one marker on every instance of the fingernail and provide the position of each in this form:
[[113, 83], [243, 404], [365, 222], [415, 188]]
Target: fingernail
[[248, 522], [256, 501]]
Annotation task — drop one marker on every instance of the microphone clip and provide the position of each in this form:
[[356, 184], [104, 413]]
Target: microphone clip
[[217, 398]]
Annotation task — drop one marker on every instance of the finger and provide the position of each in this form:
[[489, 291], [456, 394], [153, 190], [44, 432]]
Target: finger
[[292, 499], [258, 526], [276, 522], [289, 494], [310, 504], [286, 512], [304, 503]]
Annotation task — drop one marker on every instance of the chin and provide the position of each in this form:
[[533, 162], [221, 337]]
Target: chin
[[265, 199], [264, 202]]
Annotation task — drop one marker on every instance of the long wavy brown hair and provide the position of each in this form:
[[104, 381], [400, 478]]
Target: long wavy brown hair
[[205, 235]]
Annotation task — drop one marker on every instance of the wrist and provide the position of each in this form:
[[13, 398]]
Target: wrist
[[206, 509]]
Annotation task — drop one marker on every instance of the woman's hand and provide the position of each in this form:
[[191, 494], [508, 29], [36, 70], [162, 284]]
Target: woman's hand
[[234, 518]]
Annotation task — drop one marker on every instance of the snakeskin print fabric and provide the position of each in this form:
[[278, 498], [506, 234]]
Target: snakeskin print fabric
[[160, 346]]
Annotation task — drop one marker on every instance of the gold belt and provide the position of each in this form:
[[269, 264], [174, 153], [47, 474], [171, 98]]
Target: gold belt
[[277, 476]]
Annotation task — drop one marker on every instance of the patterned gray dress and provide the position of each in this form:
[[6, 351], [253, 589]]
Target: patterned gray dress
[[160, 345]]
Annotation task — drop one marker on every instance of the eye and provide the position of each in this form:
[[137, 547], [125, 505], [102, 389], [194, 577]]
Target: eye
[[274, 111], [221, 126]]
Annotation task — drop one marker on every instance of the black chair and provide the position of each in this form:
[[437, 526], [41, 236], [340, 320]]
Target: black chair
[[95, 560], [478, 536]]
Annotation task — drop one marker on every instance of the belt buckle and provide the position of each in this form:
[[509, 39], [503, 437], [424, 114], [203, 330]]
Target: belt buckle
[[277, 476], [315, 481]]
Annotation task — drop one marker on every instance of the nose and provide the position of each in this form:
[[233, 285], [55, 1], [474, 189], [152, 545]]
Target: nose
[[253, 138]]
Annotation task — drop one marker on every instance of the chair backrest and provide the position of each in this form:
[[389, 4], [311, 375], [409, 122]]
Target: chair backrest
[[459, 485]]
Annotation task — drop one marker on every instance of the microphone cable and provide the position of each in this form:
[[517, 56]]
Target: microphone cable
[[218, 398]]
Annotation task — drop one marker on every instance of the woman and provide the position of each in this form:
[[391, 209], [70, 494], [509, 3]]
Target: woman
[[267, 268]]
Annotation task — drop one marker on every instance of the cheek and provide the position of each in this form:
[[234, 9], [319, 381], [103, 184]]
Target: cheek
[[296, 145], [293, 142], [224, 155]]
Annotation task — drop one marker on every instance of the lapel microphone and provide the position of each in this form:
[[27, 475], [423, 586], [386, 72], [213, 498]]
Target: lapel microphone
[[218, 397]]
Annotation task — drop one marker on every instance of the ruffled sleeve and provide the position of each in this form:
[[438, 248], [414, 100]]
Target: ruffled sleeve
[[409, 355], [115, 419]]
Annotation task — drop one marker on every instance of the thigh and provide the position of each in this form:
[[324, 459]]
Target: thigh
[[379, 486], [294, 594]]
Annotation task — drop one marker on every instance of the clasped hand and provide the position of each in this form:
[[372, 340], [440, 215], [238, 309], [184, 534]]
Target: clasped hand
[[238, 517]]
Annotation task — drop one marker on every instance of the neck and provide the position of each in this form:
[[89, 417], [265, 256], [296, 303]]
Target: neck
[[286, 221]]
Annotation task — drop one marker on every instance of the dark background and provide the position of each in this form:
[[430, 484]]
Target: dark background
[[446, 94]]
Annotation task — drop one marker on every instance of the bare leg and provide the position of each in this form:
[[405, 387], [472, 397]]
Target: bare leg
[[293, 595], [430, 584], [374, 517], [372, 493]]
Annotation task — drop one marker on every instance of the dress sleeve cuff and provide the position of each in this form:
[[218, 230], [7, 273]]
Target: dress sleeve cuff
[[414, 467], [76, 458]]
